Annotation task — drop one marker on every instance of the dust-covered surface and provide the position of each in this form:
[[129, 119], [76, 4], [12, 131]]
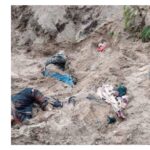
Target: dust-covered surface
[[40, 31]]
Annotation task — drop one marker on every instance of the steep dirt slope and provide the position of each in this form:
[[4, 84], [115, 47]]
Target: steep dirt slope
[[125, 60]]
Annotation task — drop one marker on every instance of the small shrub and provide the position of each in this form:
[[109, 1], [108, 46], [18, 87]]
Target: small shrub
[[128, 15], [145, 34]]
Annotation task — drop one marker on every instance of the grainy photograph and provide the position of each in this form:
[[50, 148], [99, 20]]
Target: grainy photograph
[[80, 75]]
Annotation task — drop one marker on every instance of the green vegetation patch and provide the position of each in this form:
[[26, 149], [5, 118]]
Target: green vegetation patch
[[145, 34], [129, 16]]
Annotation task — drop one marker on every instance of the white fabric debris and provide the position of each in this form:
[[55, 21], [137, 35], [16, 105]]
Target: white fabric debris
[[106, 92]]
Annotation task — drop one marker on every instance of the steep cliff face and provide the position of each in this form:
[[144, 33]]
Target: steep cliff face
[[40, 31]]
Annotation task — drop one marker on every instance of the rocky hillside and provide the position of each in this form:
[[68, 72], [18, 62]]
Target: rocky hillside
[[40, 31]]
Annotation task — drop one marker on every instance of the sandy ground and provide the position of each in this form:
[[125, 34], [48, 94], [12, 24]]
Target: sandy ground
[[124, 61]]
